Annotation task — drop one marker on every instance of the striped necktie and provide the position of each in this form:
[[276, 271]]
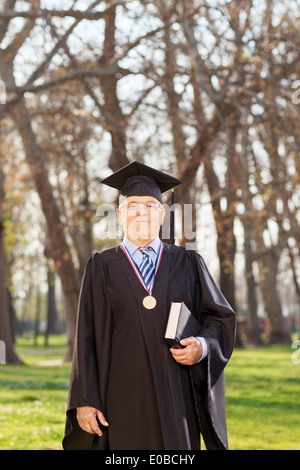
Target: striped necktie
[[147, 267]]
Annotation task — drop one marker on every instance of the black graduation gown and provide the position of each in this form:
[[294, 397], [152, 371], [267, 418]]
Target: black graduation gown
[[123, 367]]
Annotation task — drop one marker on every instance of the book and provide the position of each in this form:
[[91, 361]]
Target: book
[[181, 324]]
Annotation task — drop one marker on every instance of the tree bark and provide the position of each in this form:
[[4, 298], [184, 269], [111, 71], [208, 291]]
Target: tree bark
[[60, 249], [51, 327], [115, 122], [254, 333], [268, 266], [6, 335]]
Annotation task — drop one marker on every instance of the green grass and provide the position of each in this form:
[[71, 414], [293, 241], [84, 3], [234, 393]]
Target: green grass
[[263, 406], [33, 398], [262, 394]]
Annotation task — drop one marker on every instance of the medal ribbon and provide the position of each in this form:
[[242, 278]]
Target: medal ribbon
[[136, 270]]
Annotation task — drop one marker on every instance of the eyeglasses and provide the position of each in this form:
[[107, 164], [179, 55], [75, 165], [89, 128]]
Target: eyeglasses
[[134, 207]]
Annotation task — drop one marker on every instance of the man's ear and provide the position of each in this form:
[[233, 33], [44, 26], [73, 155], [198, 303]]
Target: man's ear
[[118, 212], [162, 216]]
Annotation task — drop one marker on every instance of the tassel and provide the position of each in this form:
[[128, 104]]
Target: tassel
[[172, 219]]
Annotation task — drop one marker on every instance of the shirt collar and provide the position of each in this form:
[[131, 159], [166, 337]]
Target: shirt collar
[[132, 247]]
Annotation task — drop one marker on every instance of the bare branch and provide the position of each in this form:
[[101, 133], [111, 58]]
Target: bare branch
[[4, 24], [36, 13], [18, 41], [77, 75]]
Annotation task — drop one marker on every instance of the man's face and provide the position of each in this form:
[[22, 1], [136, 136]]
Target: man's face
[[141, 217]]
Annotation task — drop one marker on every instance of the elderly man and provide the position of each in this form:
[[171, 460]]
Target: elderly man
[[129, 389]]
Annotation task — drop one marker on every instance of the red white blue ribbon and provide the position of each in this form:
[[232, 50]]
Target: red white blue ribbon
[[136, 270]]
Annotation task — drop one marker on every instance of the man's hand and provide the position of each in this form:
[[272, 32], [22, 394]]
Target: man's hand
[[86, 417], [189, 355]]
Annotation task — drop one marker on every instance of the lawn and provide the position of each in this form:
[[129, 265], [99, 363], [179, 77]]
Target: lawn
[[262, 387], [263, 406], [33, 397]]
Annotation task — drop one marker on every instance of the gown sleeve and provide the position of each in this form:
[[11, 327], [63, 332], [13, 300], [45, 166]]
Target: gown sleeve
[[218, 327], [85, 388]]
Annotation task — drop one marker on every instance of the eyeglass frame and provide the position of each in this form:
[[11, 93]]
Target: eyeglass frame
[[156, 206]]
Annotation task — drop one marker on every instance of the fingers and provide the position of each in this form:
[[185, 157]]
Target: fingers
[[101, 418], [190, 354], [87, 419], [188, 341], [94, 427]]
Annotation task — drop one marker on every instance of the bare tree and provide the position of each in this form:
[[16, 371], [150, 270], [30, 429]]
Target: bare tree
[[6, 333], [19, 112]]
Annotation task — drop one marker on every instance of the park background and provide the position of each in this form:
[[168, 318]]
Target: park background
[[208, 91]]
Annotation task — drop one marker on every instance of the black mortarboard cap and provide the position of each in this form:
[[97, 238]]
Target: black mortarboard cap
[[137, 179]]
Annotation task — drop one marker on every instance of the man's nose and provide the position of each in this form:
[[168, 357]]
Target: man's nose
[[142, 209]]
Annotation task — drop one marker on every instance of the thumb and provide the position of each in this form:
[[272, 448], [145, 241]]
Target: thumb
[[186, 341], [101, 418]]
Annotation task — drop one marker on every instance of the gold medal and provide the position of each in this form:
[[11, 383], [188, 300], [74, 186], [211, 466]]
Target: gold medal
[[149, 302]]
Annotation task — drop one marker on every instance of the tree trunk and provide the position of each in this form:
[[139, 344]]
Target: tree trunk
[[268, 266], [5, 322], [226, 247], [254, 332], [60, 249], [51, 327], [115, 122], [37, 319]]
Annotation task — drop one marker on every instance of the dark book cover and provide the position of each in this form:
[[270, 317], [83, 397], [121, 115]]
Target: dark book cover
[[181, 324]]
